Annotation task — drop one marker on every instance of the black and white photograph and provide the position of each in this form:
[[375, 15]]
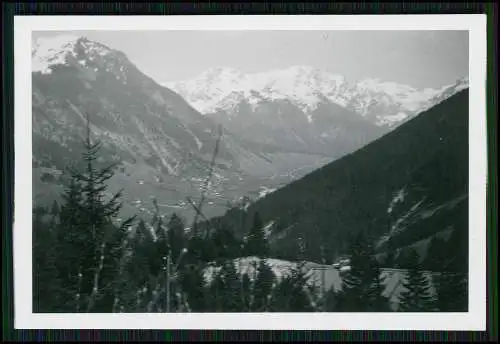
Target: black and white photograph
[[201, 171]]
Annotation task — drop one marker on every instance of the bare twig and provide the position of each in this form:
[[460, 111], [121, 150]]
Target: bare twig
[[195, 207], [158, 291], [95, 289], [198, 209], [115, 304]]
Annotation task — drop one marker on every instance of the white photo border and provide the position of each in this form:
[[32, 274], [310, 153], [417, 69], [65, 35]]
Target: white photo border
[[474, 320]]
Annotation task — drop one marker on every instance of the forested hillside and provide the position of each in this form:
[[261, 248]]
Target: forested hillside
[[409, 187]]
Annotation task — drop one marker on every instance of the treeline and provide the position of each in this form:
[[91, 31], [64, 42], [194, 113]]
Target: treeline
[[86, 259]]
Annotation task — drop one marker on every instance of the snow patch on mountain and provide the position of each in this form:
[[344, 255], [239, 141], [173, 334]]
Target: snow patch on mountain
[[264, 190], [87, 56], [48, 52], [52, 51], [268, 228], [398, 198]]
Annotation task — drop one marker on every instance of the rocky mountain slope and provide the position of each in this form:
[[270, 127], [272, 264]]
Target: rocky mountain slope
[[408, 188]]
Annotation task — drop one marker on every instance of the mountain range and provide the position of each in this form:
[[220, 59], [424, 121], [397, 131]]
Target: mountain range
[[276, 127], [301, 108], [383, 103]]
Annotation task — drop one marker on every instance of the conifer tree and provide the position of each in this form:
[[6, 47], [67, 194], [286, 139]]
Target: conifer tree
[[231, 290], [91, 244], [296, 284], [290, 294], [417, 296], [176, 237], [330, 300], [224, 244], [256, 244], [246, 292], [193, 284], [73, 248], [216, 291], [391, 254], [46, 285], [134, 289], [452, 290], [263, 287], [361, 285], [300, 301]]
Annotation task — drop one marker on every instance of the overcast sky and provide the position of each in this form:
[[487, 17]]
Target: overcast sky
[[416, 58]]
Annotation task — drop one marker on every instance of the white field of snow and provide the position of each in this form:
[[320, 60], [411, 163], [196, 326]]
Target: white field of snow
[[392, 279]]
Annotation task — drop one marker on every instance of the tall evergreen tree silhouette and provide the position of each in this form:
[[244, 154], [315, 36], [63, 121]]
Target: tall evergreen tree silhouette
[[176, 237], [417, 296], [74, 249], [231, 291], [135, 287], [224, 244], [263, 285], [91, 243], [452, 292], [193, 284], [290, 294], [46, 285], [246, 292], [256, 244], [361, 285], [216, 291], [452, 288]]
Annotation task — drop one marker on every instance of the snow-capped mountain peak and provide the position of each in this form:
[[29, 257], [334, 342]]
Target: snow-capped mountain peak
[[386, 102], [48, 52], [219, 88]]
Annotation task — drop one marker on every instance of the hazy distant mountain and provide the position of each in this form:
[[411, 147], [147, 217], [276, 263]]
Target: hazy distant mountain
[[383, 103], [403, 189]]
